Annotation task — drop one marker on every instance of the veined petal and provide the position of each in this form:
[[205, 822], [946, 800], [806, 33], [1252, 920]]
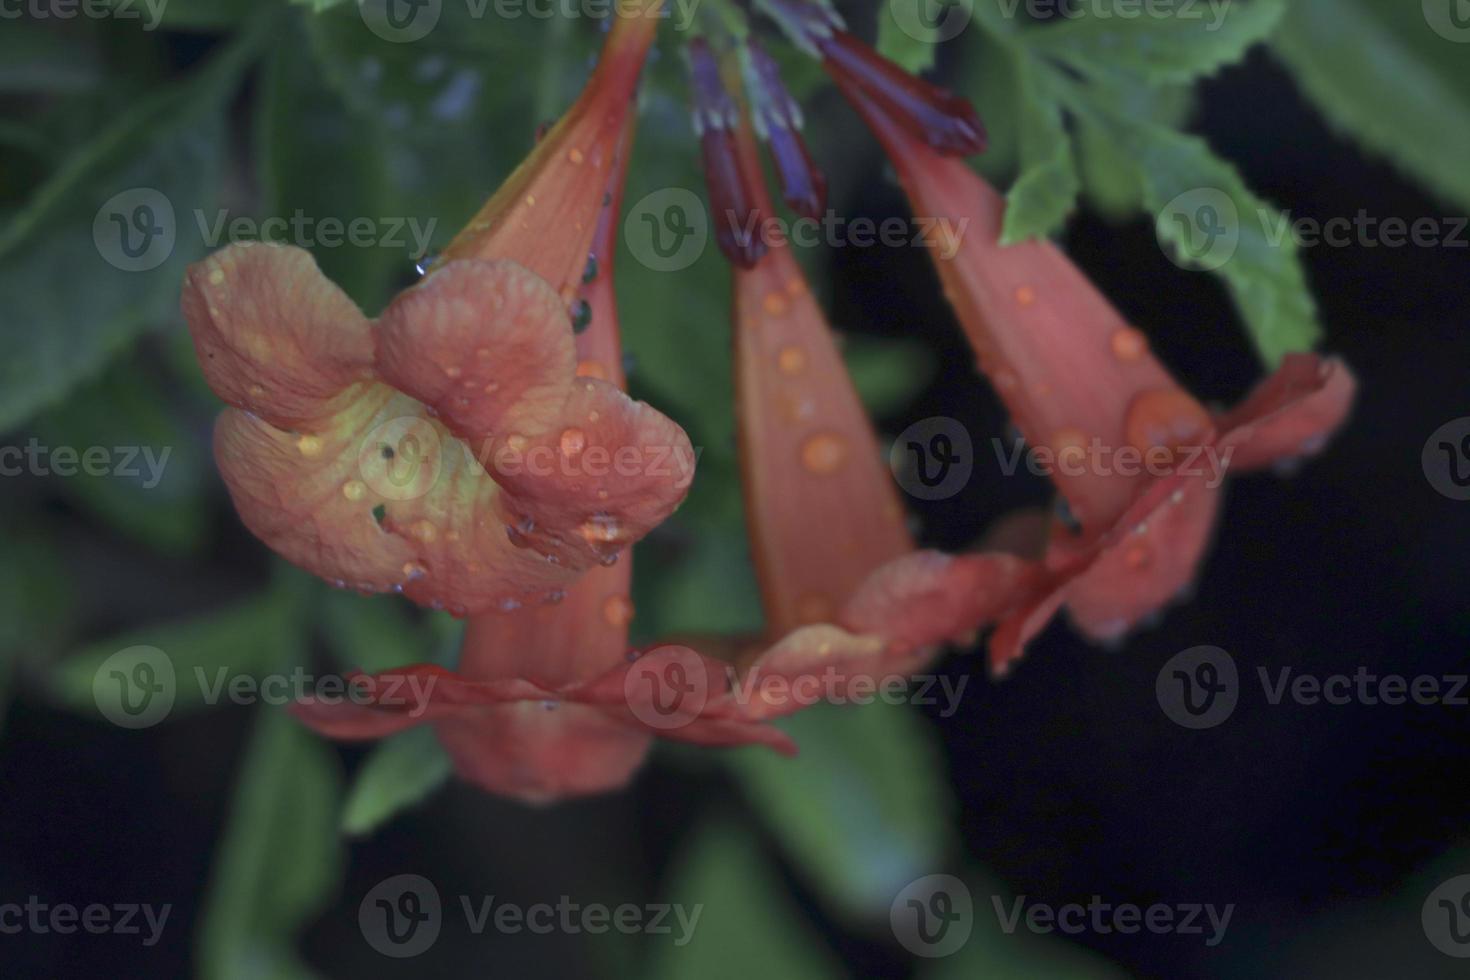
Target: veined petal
[[823, 511], [274, 336]]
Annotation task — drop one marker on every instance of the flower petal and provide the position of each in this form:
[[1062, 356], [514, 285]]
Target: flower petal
[[274, 336], [1292, 413]]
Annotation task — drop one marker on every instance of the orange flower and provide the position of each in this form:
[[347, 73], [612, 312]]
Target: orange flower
[[448, 450], [1137, 460], [536, 709]]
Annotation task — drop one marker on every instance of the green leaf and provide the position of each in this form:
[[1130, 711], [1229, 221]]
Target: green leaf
[[318, 160], [907, 34], [35, 59], [864, 809], [400, 772], [205, 652], [153, 485], [209, 14], [35, 594], [451, 112], [1046, 191], [372, 633], [165, 152], [888, 374], [1188, 42], [746, 925], [1381, 74], [1262, 269], [280, 858]]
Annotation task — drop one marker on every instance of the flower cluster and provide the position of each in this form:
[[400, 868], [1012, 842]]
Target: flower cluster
[[350, 444]]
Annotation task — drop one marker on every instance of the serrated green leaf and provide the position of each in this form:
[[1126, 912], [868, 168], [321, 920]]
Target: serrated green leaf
[[55, 334], [399, 772], [1185, 43], [280, 858], [864, 809], [205, 651], [1045, 193], [746, 925], [1379, 72], [1263, 269]]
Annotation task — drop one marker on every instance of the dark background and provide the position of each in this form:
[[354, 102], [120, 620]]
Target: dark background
[[1325, 826]]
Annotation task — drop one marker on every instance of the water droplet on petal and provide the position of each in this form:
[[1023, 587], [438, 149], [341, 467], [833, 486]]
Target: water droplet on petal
[[823, 453], [572, 441], [791, 360], [617, 610], [1128, 344]]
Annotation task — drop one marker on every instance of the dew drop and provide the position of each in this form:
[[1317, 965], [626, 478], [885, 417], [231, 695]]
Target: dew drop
[[572, 441], [617, 610], [1128, 344], [823, 453], [791, 360]]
